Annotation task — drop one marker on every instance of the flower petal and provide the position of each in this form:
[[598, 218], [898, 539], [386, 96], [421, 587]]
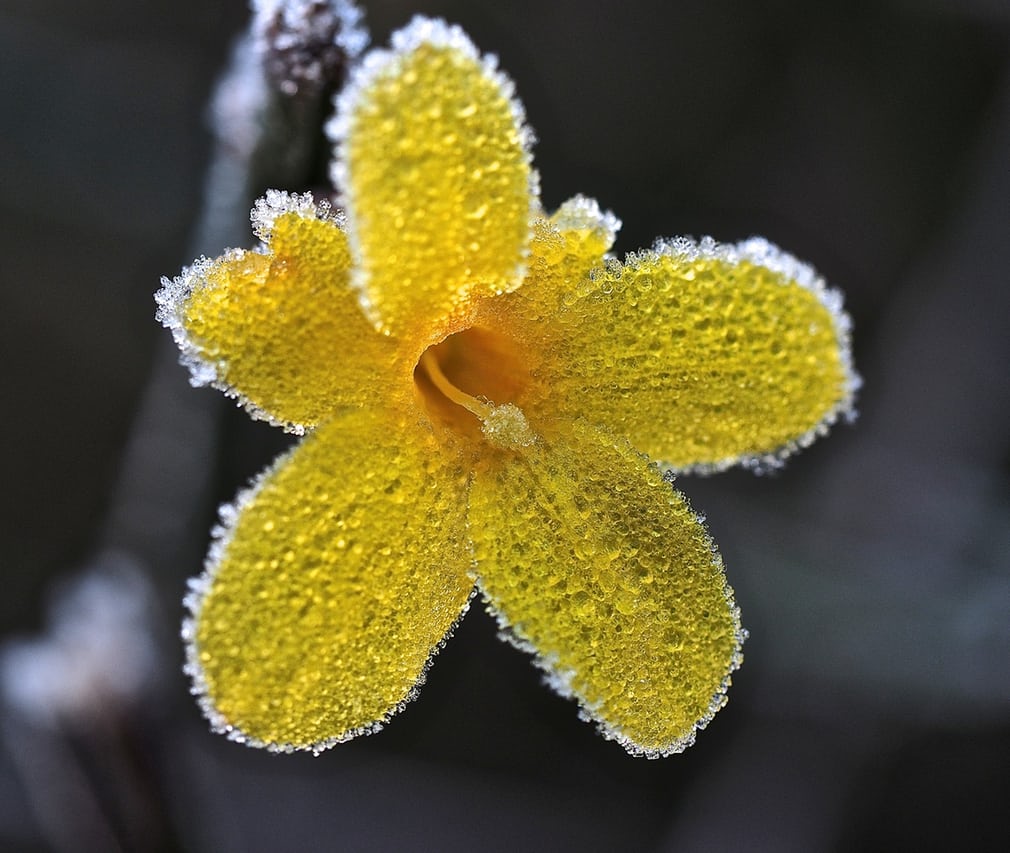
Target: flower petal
[[601, 569], [276, 328], [332, 582], [703, 355], [435, 168]]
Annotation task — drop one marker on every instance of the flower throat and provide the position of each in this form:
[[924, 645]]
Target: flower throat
[[460, 377]]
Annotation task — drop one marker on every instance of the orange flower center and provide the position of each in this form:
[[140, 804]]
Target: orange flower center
[[470, 382]]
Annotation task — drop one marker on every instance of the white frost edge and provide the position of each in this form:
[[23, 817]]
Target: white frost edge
[[197, 591], [175, 293], [583, 213], [276, 203], [763, 253], [560, 680], [351, 34], [378, 62]]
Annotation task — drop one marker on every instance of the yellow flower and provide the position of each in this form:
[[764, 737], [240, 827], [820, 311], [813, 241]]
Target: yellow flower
[[482, 387]]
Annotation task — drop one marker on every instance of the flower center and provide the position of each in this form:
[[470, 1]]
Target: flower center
[[459, 379]]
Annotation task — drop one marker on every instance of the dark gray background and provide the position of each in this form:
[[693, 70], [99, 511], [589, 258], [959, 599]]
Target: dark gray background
[[869, 138]]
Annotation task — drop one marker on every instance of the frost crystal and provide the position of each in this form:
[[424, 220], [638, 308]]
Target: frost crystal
[[277, 202], [581, 212], [506, 426]]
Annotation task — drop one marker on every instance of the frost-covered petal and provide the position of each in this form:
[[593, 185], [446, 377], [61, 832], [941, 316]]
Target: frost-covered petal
[[280, 329], [331, 584], [602, 571], [434, 164], [704, 355]]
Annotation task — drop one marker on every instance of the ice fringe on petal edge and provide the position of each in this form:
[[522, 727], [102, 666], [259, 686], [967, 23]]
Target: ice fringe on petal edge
[[193, 602], [275, 203], [583, 213]]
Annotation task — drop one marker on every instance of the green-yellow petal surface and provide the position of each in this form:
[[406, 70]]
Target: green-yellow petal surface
[[601, 568], [436, 177], [703, 356], [334, 583]]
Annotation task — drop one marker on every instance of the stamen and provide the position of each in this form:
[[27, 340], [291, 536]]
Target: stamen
[[431, 366], [503, 426]]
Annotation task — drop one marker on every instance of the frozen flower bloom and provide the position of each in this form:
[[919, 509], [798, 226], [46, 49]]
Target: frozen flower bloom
[[482, 391]]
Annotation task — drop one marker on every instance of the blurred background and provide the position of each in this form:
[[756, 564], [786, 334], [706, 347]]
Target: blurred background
[[873, 709]]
